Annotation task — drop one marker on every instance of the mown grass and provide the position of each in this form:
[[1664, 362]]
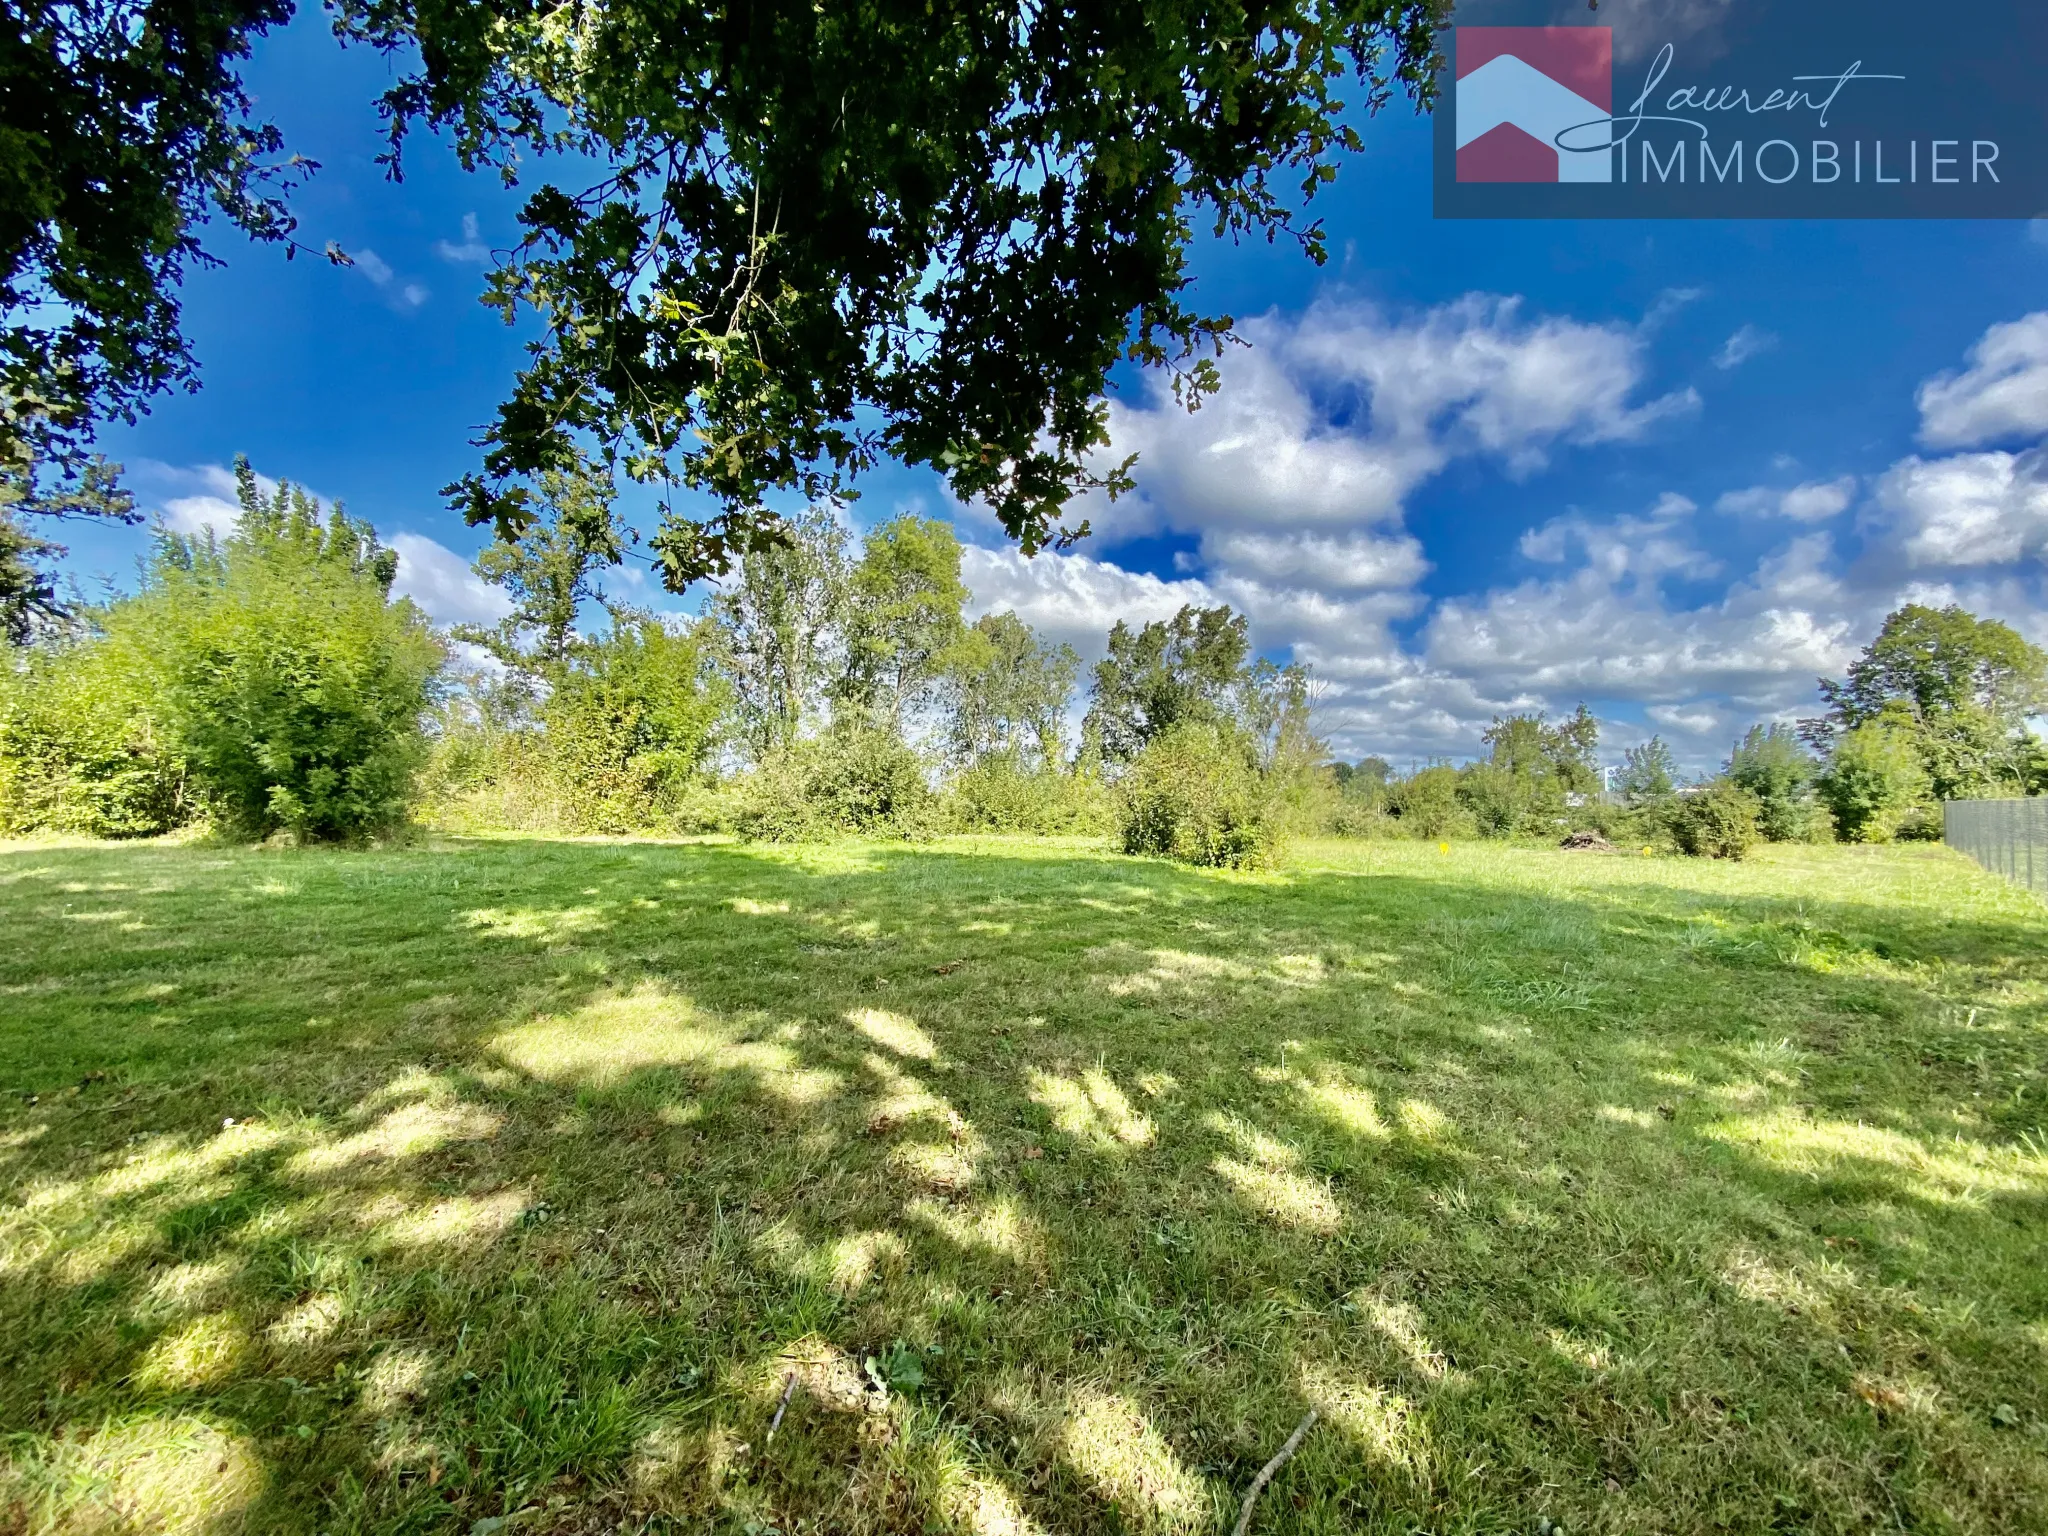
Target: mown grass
[[503, 1187]]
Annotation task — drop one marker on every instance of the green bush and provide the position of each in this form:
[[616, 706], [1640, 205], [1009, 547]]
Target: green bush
[[628, 723], [854, 779], [267, 679], [1770, 763], [1195, 794], [296, 687], [84, 747], [1718, 821], [1873, 782], [1002, 794], [1428, 806]]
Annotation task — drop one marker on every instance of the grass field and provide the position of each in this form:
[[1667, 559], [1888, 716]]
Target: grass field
[[506, 1187]]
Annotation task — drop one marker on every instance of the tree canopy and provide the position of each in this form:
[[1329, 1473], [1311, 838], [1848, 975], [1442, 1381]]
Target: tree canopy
[[123, 124], [813, 235], [1960, 687]]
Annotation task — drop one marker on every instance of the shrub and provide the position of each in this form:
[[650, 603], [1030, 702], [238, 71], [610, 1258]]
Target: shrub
[[1770, 763], [1427, 804], [1873, 782], [267, 677], [629, 721], [1506, 803], [1195, 794], [1002, 794], [1718, 820], [296, 692], [858, 779], [84, 747]]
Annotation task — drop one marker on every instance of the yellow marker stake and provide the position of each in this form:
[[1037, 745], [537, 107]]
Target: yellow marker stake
[[1446, 848]]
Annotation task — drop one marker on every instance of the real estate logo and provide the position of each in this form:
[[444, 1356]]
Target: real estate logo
[[1771, 109], [1521, 92]]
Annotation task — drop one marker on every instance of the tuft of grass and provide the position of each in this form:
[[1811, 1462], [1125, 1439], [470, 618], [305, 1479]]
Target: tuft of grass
[[514, 1186]]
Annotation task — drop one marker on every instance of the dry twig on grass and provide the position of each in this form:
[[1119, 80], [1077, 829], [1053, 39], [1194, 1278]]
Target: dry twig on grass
[[1244, 1515]]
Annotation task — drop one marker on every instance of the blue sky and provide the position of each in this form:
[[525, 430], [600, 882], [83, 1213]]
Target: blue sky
[[1675, 470]]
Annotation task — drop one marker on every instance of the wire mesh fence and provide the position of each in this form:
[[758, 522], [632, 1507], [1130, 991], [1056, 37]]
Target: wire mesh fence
[[2007, 836]]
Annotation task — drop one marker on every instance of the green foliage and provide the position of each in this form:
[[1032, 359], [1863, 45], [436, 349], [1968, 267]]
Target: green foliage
[[903, 602], [1648, 772], [28, 589], [831, 231], [1003, 792], [125, 126], [296, 686], [776, 629], [550, 573], [1874, 781], [1960, 687], [267, 679], [629, 722], [85, 745], [855, 778], [1771, 764], [1195, 793], [1427, 804], [1008, 693], [1181, 669], [1718, 820], [1521, 789]]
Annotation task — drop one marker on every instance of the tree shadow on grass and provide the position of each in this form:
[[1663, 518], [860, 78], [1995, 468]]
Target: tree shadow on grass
[[1047, 1188]]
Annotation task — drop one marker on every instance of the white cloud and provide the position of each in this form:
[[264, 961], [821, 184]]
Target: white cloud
[[1971, 509], [1813, 502], [2002, 395], [1747, 342], [1327, 422], [1072, 598], [443, 585], [378, 271], [472, 248], [1294, 480]]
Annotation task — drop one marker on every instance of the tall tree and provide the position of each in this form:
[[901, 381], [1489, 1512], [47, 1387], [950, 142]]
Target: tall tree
[[1009, 692], [1648, 772], [1183, 668], [1961, 687], [777, 630], [903, 602], [551, 573], [1771, 764]]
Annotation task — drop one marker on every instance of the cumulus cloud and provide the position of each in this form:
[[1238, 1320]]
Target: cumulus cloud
[[1747, 342], [1330, 420], [2001, 396], [1971, 509], [443, 585], [1072, 598], [1813, 502]]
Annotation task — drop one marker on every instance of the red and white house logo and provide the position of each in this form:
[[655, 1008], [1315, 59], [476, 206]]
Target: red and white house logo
[[1519, 88]]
